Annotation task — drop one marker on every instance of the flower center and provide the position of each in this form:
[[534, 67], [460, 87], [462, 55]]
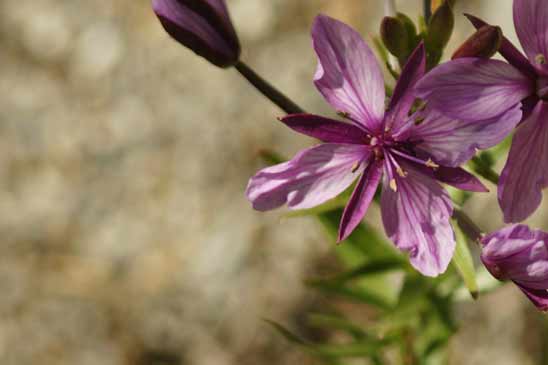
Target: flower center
[[542, 88], [378, 144]]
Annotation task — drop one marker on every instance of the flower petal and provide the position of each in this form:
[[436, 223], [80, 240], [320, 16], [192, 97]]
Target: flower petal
[[404, 96], [416, 218], [526, 172], [312, 177], [202, 26], [472, 89], [508, 241], [325, 129], [539, 297], [361, 199], [531, 22], [452, 142], [460, 179], [517, 253], [348, 75]]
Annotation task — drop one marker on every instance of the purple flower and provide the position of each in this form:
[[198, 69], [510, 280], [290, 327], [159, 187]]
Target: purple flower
[[204, 26], [519, 254], [411, 154], [474, 90]]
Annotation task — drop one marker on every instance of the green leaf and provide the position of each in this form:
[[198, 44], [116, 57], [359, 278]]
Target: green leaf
[[372, 267], [463, 261], [331, 352], [358, 293], [335, 322], [364, 239], [287, 334]]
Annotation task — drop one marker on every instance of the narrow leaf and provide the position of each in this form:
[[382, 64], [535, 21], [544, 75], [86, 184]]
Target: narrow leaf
[[464, 263]]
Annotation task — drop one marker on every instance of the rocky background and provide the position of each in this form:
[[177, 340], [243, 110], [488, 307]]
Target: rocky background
[[126, 237]]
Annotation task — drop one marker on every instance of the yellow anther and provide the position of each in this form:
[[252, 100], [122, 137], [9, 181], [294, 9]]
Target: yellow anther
[[401, 172], [355, 167], [432, 164], [540, 59], [393, 185]]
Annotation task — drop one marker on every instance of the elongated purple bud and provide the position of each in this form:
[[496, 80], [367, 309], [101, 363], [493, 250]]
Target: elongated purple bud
[[519, 254], [484, 43], [203, 26]]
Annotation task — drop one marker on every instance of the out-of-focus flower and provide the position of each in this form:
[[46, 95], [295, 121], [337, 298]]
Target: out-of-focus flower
[[414, 152], [519, 254], [203, 26], [473, 89]]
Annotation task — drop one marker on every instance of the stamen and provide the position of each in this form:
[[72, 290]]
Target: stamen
[[540, 59], [390, 174], [428, 163], [393, 185], [356, 166], [399, 169], [432, 164]]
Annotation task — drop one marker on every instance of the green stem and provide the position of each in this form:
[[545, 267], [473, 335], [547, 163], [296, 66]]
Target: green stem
[[427, 10], [467, 225], [268, 90], [484, 170]]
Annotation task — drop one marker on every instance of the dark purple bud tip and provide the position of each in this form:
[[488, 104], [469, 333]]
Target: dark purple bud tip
[[203, 26], [482, 44]]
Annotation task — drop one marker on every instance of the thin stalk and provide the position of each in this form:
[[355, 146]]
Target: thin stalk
[[427, 10], [467, 225], [282, 101]]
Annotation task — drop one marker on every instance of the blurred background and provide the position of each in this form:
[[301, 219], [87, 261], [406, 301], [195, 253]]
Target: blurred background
[[126, 236]]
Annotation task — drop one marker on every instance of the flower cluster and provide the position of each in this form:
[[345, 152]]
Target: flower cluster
[[411, 144]]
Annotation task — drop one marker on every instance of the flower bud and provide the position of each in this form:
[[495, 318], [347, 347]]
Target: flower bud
[[482, 44], [394, 36], [519, 254], [440, 27], [437, 3], [203, 26]]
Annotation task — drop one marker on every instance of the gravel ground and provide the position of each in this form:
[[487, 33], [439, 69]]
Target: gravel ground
[[127, 238]]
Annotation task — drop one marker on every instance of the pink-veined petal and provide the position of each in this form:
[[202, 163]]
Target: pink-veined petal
[[526, 171], [451, 142], [416, 217], [325, 129], [539, 297], [531, 22], [312, 177], [361, 199], [403, 97], [473, 89], [348, 75], [520, 254]]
